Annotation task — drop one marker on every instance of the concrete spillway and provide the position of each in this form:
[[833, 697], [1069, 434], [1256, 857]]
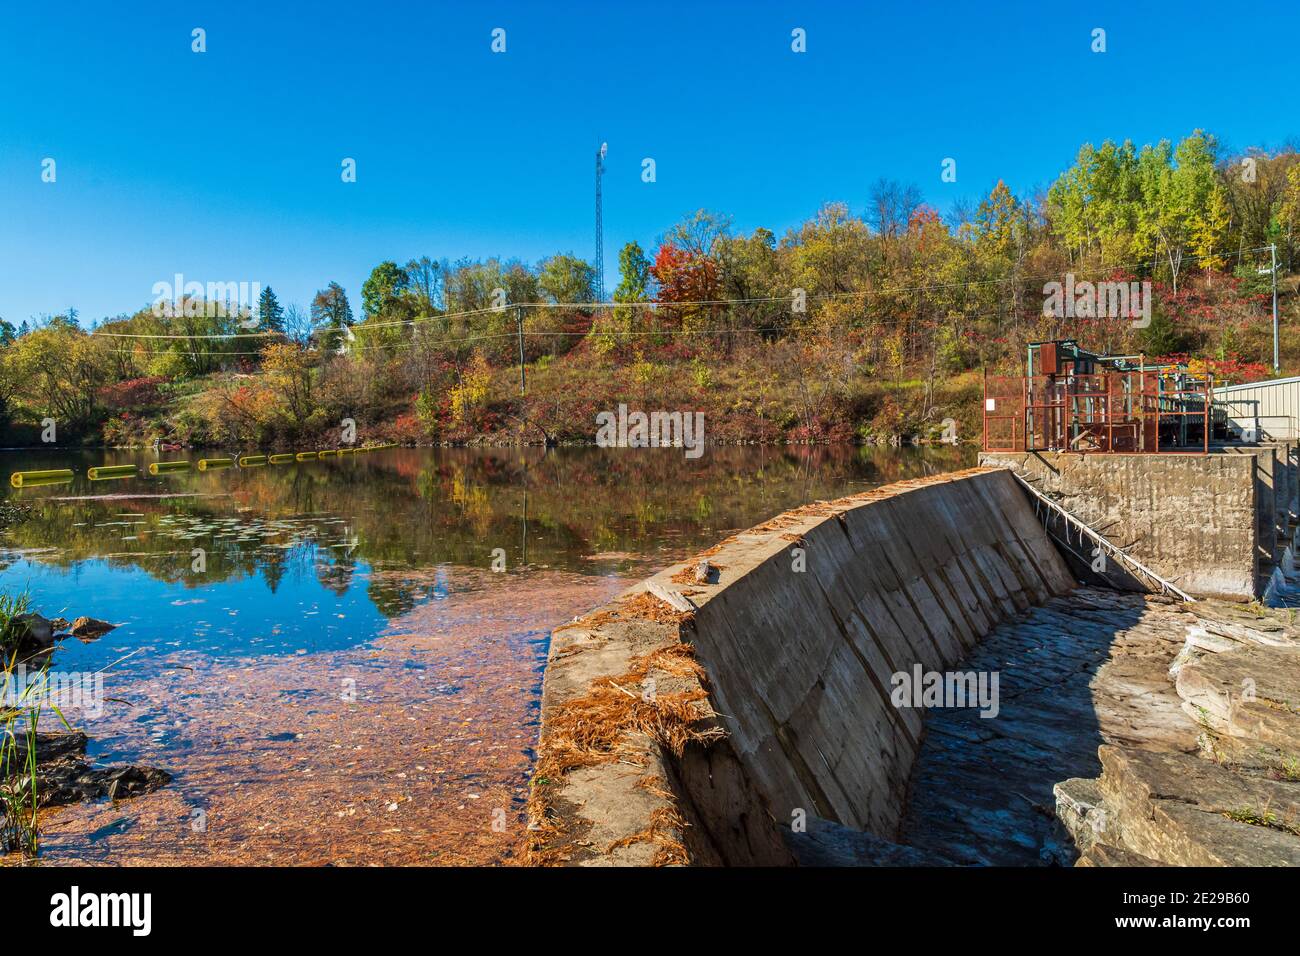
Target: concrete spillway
[[742, 708], [795, 634], [801, 662]]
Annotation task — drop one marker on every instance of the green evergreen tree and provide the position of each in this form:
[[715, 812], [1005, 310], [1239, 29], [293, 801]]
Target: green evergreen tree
[[270, 312]]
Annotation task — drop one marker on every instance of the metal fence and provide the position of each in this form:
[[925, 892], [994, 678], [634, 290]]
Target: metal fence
[[1106, 412]]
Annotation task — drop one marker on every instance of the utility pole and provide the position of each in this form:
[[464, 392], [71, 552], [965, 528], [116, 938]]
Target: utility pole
[[1272, 271], [600, 225], [1272, 249], [519, 318]]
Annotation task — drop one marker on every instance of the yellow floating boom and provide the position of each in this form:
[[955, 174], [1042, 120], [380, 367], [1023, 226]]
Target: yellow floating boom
[[307, 455], [162, 467], [104, 472], [52, 476], [249, 461], [206, 463], [280, 459]]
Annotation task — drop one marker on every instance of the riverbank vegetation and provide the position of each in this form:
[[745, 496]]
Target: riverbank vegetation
[[18, 721], [874, 319]]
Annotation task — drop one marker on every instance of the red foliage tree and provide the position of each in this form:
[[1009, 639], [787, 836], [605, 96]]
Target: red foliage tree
[[685, 276]]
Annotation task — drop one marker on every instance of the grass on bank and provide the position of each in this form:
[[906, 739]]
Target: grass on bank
[[21, 697]]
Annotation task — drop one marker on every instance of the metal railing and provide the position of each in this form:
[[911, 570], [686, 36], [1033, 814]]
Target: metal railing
[[1104, 412]]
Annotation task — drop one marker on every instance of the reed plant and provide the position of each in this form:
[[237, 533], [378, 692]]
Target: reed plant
[[22, 697]]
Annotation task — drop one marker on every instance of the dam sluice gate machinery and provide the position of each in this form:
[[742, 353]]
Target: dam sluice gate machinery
[[1071, 399]]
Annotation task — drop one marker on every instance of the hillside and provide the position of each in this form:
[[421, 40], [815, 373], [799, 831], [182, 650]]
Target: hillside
[[851, 327]]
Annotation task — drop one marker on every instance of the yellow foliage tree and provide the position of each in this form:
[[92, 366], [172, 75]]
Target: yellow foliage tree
[[288, 371], [471, 393], [1209, 230]]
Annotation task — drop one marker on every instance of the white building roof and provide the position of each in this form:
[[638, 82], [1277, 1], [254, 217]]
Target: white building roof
[[1261, 384]]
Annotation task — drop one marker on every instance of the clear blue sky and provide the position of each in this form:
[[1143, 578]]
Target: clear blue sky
[[225, 165]]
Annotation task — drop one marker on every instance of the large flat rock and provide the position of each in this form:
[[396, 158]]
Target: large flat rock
[[1184, 810], [1252, 695]]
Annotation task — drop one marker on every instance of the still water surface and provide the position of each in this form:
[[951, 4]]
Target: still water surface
[[322, 655]]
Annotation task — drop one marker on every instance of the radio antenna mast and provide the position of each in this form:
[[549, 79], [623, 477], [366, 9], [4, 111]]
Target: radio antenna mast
[[600, 226]]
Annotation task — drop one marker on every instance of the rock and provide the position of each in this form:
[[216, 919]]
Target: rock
[[1251, 695], [34, 630], [706, 573], [1182, 810], [1244, 756], [64, 775], [134, 781], [1267, 632], [1081, 810], [89, 628], [51, 748], [1201, 639], [1200, 642], [38, 633], [673, 599], [1184, 657]]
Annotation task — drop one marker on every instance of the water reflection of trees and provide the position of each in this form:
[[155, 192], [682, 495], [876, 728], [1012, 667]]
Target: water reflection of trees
[[407, 508]]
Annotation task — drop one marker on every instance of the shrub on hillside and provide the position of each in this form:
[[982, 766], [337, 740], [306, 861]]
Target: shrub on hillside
[[133, 394]]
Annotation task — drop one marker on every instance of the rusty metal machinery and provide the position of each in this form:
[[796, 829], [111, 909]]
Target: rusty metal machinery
[[1071, 399]]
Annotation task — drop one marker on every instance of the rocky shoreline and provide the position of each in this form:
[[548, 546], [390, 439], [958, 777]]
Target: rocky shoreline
[[63, 773]]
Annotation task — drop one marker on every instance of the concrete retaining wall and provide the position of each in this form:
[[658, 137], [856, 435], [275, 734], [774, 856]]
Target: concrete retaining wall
[[1275, 493], [1205, 522], [798, 633]]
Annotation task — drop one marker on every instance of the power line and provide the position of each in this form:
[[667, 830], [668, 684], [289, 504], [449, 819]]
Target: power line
[[195, 335], [446, 317]]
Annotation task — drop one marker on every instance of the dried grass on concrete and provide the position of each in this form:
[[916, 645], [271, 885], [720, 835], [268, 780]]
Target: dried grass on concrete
[[596, 728]]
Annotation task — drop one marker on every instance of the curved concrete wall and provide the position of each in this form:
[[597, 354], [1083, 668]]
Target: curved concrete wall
[[798, 635]]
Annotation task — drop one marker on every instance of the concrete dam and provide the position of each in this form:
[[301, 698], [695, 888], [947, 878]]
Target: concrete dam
[[933, 673]]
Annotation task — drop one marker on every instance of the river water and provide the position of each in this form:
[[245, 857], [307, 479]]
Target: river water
[[340, 661]]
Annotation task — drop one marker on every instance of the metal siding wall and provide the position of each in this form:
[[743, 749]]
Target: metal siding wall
[[1278, 409]]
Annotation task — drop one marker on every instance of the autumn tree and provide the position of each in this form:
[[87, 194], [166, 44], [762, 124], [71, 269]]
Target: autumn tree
[[830, 253], [1288, 210], [1092, 206], [62, 370], [749, 274], [424, 284], [891, 206], [685, 278], [612, 328], [288, 371], [566, 278]]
